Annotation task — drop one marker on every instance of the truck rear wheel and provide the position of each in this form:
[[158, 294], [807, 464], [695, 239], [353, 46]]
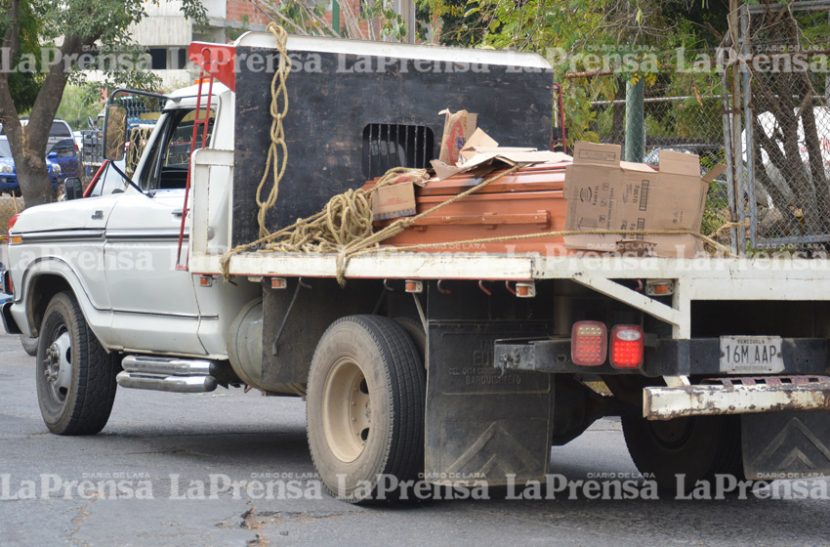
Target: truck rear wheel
[[75, 376], [698, 447], [366, 391]]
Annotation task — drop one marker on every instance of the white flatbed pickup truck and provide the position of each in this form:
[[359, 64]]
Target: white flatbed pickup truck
[[457, 366]]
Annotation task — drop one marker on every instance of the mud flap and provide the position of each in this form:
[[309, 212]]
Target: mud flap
[[482, 424], [786, 444]]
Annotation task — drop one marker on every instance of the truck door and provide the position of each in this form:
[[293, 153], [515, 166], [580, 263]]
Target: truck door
[[154, 304]]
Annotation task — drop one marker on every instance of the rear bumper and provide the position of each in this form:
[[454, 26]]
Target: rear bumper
[[663, 357], [743, 395]]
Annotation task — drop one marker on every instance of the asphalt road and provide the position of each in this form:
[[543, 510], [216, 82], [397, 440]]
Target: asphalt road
[[166, 441]]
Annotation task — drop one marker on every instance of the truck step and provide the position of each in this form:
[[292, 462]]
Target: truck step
[[169, 374]]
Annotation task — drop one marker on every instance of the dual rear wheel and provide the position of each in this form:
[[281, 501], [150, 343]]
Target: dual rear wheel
[[678, 453], [366, 392]]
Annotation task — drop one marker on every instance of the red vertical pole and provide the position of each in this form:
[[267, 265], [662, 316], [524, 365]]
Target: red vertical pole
[[194, 135]]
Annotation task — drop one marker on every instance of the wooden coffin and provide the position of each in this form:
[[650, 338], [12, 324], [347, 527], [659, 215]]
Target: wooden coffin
[[528, 201]]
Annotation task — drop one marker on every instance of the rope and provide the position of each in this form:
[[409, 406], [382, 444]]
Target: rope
[[562, 233], [346, 218], [277, 159], [373, 239]]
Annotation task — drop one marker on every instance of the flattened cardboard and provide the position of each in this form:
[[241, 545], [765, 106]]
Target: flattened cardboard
[[715, 172], [477, 141], [481, 150], [458, 128], [606, 194]]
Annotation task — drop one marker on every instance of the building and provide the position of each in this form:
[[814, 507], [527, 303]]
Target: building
[[165, 32]]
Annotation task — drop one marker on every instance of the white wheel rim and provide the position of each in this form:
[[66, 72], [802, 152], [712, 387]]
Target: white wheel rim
[[347, 413], [58, 370]]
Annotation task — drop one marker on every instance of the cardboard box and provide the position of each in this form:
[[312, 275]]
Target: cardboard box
[[458, 127], [397, 199], [604, 193]]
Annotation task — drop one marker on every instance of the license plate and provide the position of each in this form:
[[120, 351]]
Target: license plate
[[751, 354]]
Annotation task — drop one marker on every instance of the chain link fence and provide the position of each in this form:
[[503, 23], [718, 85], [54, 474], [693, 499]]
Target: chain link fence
[[785, 134], [692, 123]]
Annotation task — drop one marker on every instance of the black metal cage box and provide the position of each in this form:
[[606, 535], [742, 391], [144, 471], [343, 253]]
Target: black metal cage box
[[358, 108]]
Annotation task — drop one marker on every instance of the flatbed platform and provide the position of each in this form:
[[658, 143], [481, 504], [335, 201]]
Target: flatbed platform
[[780, 279]]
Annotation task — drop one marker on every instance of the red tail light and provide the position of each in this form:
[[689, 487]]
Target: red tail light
[[626, 346], [589, 343]]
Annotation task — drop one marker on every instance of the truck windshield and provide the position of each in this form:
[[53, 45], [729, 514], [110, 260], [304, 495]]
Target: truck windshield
[[5, 149], [168, 160]]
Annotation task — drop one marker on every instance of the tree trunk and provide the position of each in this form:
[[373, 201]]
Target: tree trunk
[[34, 180]]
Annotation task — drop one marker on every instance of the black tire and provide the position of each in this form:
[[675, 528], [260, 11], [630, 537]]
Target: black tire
[[390, 378], [698, 447], [415, 329], [79, 401], [29, 345]]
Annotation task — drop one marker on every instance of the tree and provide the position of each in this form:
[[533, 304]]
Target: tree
[[78, 26], [579, 27]]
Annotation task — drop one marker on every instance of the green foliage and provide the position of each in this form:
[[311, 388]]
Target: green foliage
[[309, 17], [24, 85], [716, 212], [569, 31], [98, 24], [78, 105]]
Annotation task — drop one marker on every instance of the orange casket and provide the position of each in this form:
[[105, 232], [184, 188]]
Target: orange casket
[[528, 201]]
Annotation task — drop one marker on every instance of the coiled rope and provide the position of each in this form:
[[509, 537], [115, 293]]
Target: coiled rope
[[277, 159]]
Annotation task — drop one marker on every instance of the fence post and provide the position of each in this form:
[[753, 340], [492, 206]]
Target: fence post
[[749, 142], [335, 16], [635, 136]]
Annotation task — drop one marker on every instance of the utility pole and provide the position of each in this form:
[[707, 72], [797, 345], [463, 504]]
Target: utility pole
[[635, 134], [407, 11], [335, 16]]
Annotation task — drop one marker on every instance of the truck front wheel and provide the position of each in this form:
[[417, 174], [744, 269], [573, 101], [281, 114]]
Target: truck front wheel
[[29, 345], [366, 390], [75, 376], [678, 453]]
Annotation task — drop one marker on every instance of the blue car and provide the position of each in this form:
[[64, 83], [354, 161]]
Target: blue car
[[65, 153], [8, 174]]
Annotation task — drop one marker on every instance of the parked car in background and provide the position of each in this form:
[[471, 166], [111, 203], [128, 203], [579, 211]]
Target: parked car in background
[[59, 131], [8, 173], [66, 154]]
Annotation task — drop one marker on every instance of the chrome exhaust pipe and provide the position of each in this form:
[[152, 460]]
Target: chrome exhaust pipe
[[174, 384], [172, 374], [167, 366]]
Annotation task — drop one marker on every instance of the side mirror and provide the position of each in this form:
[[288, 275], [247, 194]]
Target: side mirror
[[51, 155], [73, 189], [115, 132]]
